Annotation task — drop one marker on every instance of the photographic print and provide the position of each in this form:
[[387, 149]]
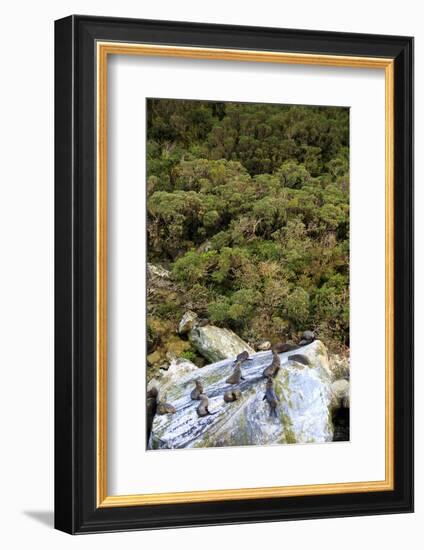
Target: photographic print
[[215, 273], [247, 274]]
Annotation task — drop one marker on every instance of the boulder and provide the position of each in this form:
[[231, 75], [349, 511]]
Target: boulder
[[216, 343], [177, 369], [339, 366], [265, 345], [157, 272], [341, 392], [303, 410], [188, 322]]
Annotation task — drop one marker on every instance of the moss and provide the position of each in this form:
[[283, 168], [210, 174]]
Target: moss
[[169, 306], [204, 442], [155, 357], [283, 380], [174, 345], [154, 443], [189, 355], [243, 431], [166, 345], [159, 327], [288, 435]]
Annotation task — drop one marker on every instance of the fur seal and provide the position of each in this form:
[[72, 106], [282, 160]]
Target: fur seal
[[271, 397], [153, 392], [307, 337], [281, 348], [151, 406], [232, 395], [271, 370], [243, 356], [236, 376], [165, 408], [203, 408], [198, 390], [299, 358]]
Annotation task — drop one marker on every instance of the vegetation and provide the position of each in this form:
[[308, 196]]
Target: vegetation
[[248, 207]]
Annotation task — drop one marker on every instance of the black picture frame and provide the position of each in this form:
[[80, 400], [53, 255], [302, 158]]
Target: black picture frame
[[76, 510]]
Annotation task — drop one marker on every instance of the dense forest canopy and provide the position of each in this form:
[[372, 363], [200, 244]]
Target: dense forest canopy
[[248, 207]]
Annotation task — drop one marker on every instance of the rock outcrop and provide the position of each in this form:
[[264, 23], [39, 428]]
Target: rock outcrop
[[216, 343], [157, 272], [341, 393], [188, 322], [265, 345], [178, 368], [339, 366], [303, 410], [160, 286]]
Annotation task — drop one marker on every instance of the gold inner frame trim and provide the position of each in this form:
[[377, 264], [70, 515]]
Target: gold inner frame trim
[[104, 49]]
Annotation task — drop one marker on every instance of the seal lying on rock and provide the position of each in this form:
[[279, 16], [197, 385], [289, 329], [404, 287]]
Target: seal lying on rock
[[232, 395], [198, 390], [271, 370], [271, 397], [203, 408], [165, 408], [281, 348], [299, 358], [307, 337], [236, 376]]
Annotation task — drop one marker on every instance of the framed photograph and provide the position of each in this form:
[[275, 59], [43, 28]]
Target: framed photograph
[[234, 274]]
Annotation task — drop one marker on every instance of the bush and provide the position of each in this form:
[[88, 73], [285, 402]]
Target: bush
[[248, 206]]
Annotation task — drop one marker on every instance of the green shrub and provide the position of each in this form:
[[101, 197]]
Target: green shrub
[[248, 207]]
